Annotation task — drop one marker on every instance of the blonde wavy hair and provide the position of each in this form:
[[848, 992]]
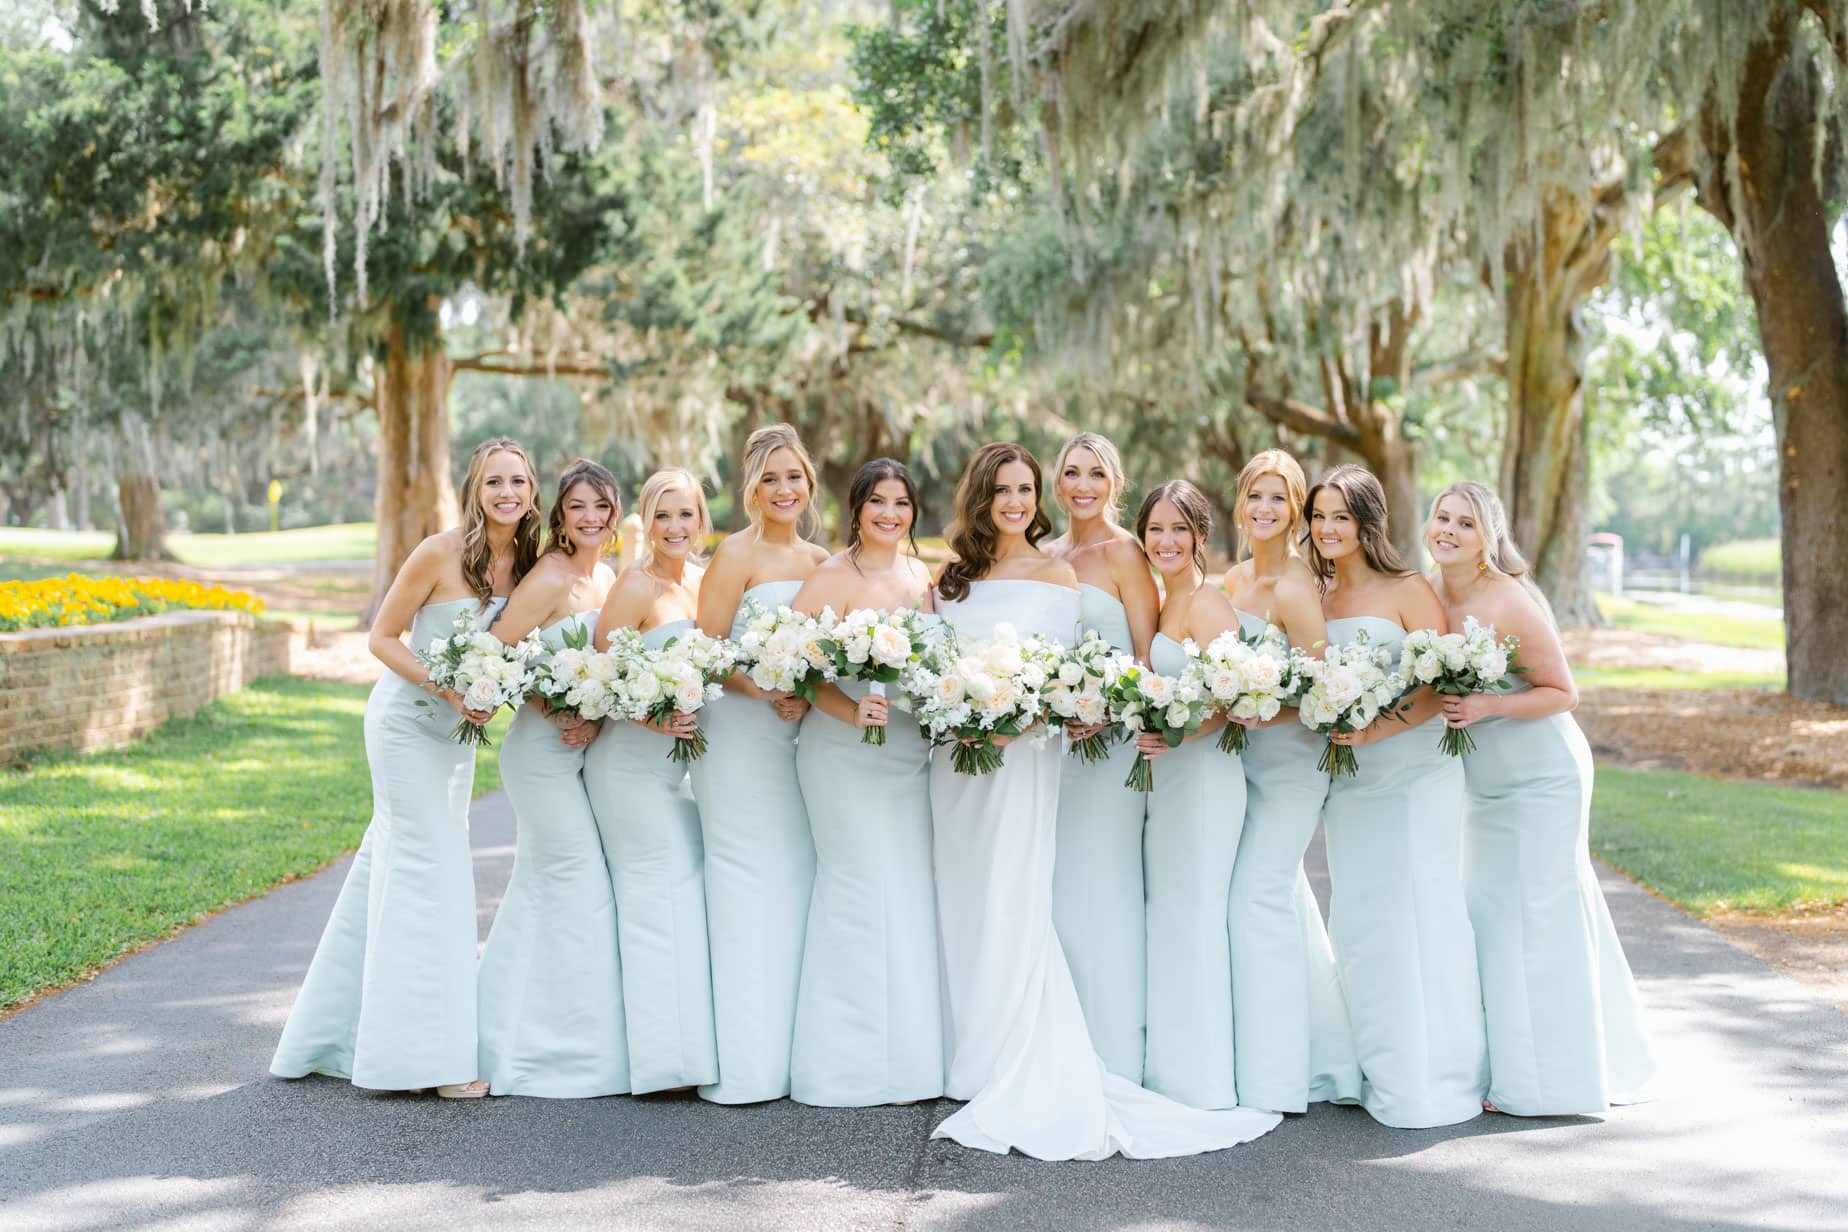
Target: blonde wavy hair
[[1113, 467], [671, 479], [477, 553], [1295, 486], [757, 450], [1499, 553]]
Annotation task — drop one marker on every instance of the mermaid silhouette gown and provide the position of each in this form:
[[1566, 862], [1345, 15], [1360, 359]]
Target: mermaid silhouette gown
[[389, 999], [1294, 1046], [1020, 1052], [1398, 922], [1196, 811], [760, 871], [1097, 892], [650, 831], [551, 983], [869, 1015], [1564, 1023]]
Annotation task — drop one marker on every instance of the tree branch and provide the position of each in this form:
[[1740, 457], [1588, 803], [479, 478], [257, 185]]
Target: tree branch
[[1461, 368], [1301, 417], [296, 394], [912, 325], [578, 367]]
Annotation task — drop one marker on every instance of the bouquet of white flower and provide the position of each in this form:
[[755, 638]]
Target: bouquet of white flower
[[1348, 687], [1459, 664], [486, 671], [1145, 701], [1079, 692], [782, 650], [679, 678], [877, 647], [967, 696], [577, 680], [1249, 678]]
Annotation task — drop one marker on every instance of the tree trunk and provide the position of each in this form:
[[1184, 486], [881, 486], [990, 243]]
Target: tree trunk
[[141, 531], [1760, 184], [415, 496], [1545, 451]]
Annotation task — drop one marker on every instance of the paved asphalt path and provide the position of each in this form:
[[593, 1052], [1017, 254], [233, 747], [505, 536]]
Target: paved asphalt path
[[141, 1100]]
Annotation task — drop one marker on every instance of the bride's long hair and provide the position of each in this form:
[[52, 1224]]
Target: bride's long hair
[[972, 536]]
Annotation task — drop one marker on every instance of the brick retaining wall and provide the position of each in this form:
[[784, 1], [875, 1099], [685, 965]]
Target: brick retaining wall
[[98, 686]]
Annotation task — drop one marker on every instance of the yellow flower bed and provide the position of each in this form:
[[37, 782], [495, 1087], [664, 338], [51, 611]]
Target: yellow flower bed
[[78, 600]]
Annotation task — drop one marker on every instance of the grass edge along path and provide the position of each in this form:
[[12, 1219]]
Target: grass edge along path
[[1720, 844], [106, 853]]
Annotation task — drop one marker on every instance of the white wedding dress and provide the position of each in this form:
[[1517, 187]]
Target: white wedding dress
[[1020, 1053]]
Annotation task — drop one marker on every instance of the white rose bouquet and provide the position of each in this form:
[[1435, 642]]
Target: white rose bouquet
[[1145, 701], [1458, 664], [968, 695], [1348, 687], [1249, 678], [486, 671], [576, 680], [781, 650], [679, 678], [1079, 692], [877, 647]]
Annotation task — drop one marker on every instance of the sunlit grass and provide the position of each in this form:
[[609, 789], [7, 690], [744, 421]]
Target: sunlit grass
[[1669, 678], [1720, 630], [343, 541], [1710, 844], [102, 853]]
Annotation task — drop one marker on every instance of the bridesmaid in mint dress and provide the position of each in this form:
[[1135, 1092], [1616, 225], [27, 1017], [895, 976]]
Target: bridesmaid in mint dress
[[1196, 811], [1398, 920], [1293, 1043], [760, 860], [1565, 1025], [551, 987], [389, 1000], [1097, 903], [869, 1014], [646, 814]]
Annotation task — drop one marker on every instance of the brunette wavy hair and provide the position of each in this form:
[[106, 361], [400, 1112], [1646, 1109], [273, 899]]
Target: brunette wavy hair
[[973, 535], [1194, 508], [602, 483], [1366, 502], [867, 478], [477, 553]]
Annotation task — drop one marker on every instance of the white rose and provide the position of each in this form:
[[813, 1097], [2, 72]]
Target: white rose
[[1179, 716], [1158, 689], [482, 695], [890, 646], [1247, 708], [1070, 674]]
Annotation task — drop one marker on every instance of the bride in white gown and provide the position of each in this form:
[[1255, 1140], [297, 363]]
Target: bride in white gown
[[1019, 1050]]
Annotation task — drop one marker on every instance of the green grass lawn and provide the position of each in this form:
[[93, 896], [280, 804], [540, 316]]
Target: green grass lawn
[[102, 853], [346, 541], [1720, 630], [1754, 560], [1710, 843], [1669, 678]]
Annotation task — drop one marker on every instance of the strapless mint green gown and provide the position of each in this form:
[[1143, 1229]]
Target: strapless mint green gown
[[869, 1016], [1195, 815], [1564, 1021], [650, 829], [1398, 921], [1097, 876], [551, 983], [760, 871], [1294, 1044], [389, 999]]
